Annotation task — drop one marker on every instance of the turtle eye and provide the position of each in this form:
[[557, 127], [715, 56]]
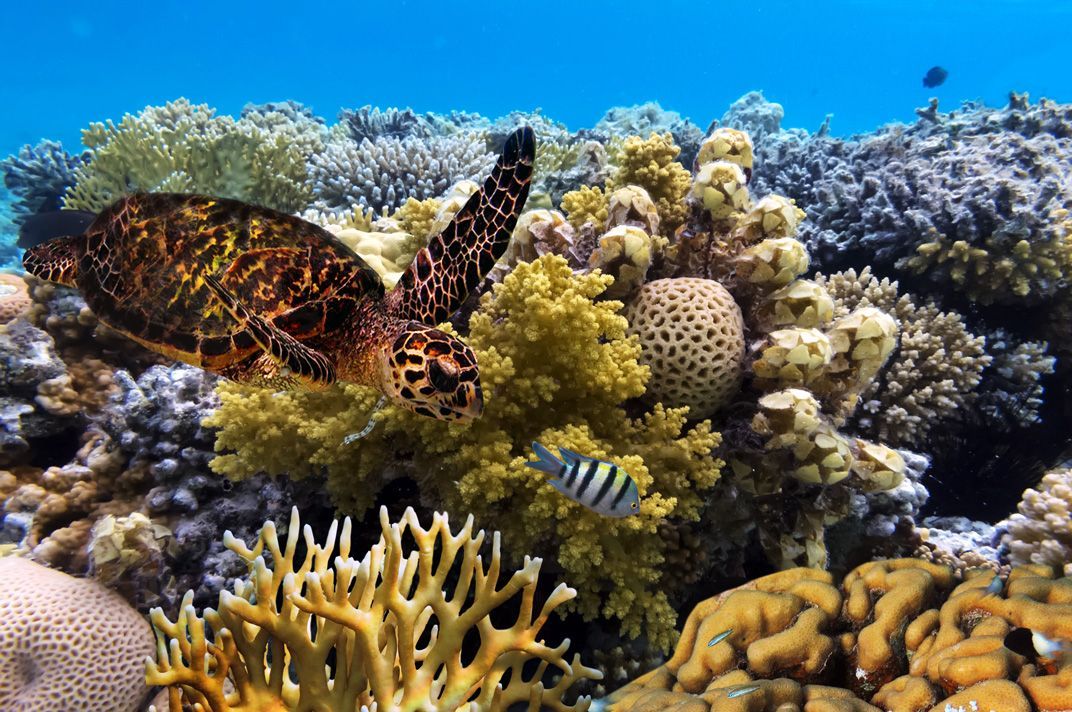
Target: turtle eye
[[444, 375]]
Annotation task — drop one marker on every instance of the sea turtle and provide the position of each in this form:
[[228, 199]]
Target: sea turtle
[[263, 297]]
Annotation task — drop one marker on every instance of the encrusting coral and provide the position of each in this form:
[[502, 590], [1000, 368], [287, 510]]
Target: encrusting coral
[[894, 636], [67, 643], [388, 631], [1041, 531], [556, 367]]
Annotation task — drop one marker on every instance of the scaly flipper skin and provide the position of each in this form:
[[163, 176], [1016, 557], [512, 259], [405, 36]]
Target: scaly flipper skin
[[56, 260], [296, 363], [452, 265]]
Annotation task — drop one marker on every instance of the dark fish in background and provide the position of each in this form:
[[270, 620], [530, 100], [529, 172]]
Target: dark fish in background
[[934, 77], [42, 227]]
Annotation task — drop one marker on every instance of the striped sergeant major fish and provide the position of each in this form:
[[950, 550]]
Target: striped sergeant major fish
[[601, 486]]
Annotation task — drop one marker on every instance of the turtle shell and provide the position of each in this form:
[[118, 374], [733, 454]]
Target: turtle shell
[[142, 274]]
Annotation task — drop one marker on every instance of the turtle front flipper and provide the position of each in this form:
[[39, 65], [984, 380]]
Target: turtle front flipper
[[56, 260], [294, 363], [452, 265]]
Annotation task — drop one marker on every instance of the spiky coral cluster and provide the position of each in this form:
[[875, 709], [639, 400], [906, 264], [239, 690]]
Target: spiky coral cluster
[[894, 636], [383, 632], [184, 147], [555, 366]]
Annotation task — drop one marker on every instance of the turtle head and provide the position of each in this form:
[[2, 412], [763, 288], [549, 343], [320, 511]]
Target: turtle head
[[432, 373]]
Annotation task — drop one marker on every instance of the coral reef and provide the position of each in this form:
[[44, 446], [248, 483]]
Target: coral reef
[[895, 636], [1041, 531], [385, 172], [372, 123], [183, 147], [66, 641], [645, 119], [388, 630], [38, 176], [988, 216], [563, 357]]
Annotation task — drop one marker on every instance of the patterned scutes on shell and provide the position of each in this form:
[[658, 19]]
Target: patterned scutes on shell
[[147, 253]]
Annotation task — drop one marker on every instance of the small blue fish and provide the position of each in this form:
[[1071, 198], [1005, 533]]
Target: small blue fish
[[601, 486], [742, 691], [720, 637], [1049, 648], [996, 586]]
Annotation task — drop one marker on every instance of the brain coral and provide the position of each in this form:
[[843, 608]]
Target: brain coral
[[894, 636], [67, 643], [14, 297], [692, 334]]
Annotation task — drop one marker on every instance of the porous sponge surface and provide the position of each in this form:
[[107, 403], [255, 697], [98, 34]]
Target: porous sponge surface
[[692, 335], [67, 643]]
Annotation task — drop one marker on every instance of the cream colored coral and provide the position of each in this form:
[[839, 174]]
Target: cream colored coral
[[726, 144], [389, 253], [67, 644], [773, 263], [1041, 531], [771, 218], [384, 632], [626, 253], [722, 189], [538, 232], [801, 303], [791, 420], [878, 466], [862, 342], [793, 357], [692, 336], [631, 205]]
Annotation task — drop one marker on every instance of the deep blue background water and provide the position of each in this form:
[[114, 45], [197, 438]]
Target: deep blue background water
[[69, 63]]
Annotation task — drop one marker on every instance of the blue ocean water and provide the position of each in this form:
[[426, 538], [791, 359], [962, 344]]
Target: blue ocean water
[[70, 62]]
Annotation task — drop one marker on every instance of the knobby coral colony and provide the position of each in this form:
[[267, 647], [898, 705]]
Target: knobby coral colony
[[651, 311]]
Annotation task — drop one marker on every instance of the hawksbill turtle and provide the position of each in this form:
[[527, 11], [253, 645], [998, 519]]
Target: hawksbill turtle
[[266, 298]]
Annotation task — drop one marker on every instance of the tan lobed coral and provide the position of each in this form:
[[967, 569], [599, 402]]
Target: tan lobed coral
[[387, 631], [1041, 531], [692, 337], [894, 636], [67, 643]]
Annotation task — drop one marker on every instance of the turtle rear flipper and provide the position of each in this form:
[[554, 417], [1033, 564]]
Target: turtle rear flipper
[[452, 265], [56, 260], [294, 363]]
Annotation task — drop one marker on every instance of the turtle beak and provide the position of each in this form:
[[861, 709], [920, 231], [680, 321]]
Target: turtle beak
[[473, 406]]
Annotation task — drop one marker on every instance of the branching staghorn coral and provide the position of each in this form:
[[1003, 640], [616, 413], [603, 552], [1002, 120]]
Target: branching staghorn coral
[[183, 147], [933, 374], [555, 366], [1041, 531], [38, 176], [385, 632], [372, 123], [384, 172]]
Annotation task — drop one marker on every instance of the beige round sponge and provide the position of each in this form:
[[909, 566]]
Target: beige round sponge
[[692, 336], [67, 643]]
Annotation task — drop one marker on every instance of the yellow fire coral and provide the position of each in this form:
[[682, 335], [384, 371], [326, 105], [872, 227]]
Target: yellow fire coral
[[387, 631], [556, 366], [895, 636], [650, 163]]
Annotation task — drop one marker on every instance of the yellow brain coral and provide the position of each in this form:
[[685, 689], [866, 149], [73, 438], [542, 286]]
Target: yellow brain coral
[[692, 334], [332, 632], [67, 643], [894, 636], [556, 366]]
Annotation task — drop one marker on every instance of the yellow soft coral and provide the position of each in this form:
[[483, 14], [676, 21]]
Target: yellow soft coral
[[332, 632], [556, 366], [585, 205], [651, 164]]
